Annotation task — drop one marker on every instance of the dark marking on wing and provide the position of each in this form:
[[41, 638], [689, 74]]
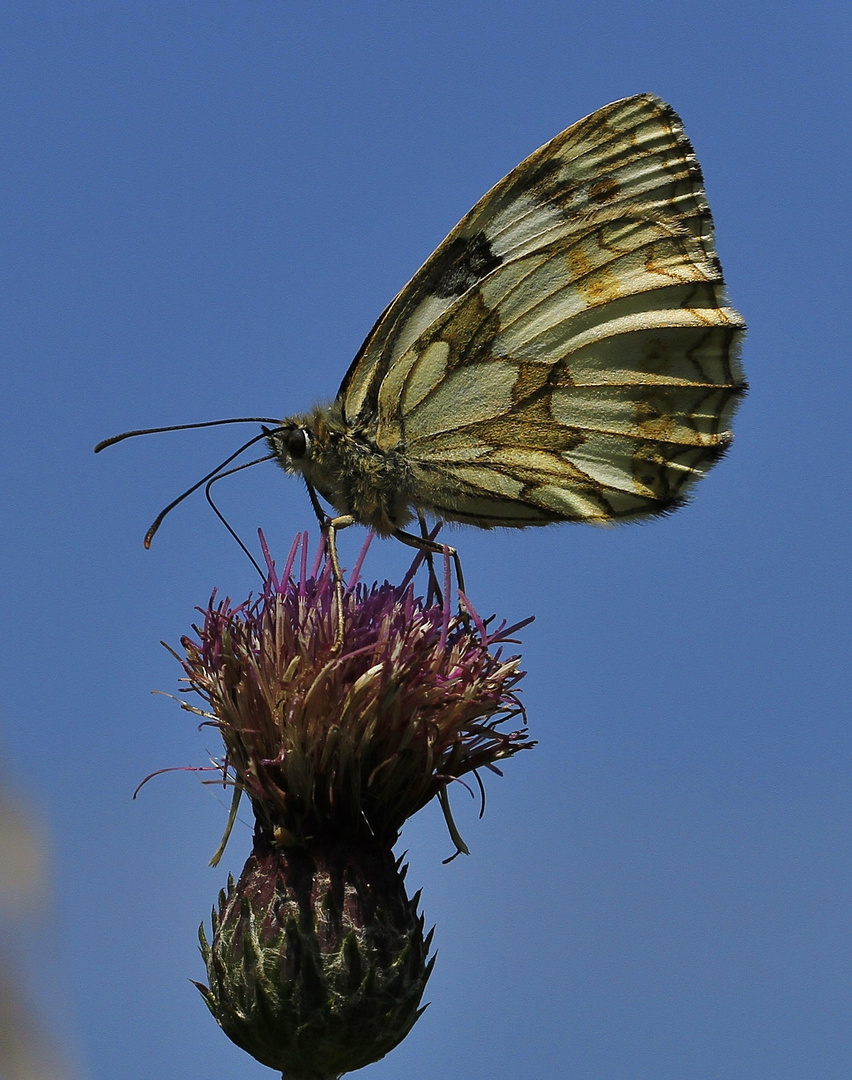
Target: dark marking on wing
[[603, 190], [459, 266]]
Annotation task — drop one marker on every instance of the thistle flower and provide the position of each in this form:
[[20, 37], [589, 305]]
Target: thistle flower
[[350, 743], [318, 959]]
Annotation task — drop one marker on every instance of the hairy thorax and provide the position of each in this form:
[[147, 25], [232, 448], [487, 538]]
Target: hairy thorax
[[347, 468]]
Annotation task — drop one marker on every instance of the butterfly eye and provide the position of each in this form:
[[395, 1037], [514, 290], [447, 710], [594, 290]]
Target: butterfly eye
[[297, 443]]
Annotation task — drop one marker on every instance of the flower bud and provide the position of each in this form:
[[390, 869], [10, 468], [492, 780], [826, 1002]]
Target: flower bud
[[318, 959]]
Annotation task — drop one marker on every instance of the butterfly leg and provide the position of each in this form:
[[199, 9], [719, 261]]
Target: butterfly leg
[[432, 547], [436, 592], [322, 516], [332, 527]]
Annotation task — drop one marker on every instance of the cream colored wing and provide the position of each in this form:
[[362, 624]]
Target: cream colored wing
[[567, 353]]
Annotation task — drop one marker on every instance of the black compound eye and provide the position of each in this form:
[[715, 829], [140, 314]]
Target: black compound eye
[[297, 442]]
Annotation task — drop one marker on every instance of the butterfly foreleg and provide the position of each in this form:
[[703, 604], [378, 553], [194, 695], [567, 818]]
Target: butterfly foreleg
[[332, 527], [322, 516]]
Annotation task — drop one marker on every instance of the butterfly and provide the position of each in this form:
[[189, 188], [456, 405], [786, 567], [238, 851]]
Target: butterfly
[[566, 354]]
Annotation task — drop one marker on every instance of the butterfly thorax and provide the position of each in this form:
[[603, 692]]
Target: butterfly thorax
[[346, 467]]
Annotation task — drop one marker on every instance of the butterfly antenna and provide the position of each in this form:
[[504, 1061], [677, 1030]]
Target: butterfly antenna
[[149, 535], [221, 516], [182, 427]]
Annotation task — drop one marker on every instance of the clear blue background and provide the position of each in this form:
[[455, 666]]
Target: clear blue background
[[205, 205]]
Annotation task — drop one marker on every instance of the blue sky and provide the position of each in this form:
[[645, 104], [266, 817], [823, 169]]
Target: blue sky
[[205, 207]]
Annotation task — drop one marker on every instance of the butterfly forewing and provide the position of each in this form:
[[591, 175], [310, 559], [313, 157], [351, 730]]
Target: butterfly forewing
[[567, 353]]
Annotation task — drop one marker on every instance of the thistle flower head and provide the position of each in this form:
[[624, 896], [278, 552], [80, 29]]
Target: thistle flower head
[[350, 742]]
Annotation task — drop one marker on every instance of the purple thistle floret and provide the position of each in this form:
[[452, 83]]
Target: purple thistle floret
[[351, 742]]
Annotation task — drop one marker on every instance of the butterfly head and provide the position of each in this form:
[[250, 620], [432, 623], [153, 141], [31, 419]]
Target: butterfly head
[[310, 446], [292, 443]]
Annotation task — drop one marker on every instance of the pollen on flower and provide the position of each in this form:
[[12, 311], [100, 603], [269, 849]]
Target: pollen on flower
[[341, 742]]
